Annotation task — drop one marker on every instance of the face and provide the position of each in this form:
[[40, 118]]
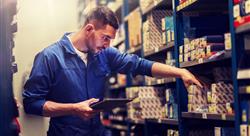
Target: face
[[100, 38]]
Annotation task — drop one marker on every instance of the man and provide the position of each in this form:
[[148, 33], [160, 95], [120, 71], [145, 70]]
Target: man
[[69, 75]]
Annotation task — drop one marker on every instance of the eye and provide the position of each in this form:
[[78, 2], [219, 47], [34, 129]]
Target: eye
[[106, 38]]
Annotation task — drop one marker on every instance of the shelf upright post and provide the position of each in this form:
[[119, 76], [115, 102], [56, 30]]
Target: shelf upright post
[[180, 88], [125, 12], [236, 51], [7, 103]]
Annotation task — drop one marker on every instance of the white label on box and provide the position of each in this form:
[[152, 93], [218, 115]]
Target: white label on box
[[158, 81], [200, 60], [204, 115], [163, 38], [236, 10], [243, 130], [156, 49], [248, 89], [167, 95], [223, 117], [163, 24], [247, 6]]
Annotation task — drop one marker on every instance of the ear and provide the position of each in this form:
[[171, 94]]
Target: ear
[[89, 28]]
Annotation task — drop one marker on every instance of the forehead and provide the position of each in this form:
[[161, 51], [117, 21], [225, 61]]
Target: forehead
[[108, 30]]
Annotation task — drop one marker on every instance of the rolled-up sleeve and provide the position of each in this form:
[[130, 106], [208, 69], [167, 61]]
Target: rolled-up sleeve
[[128, 63], [37, 86]]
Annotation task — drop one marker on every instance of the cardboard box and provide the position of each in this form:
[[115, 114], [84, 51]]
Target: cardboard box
[[244, 130], [222, 87], [222, 98], [197, 99]]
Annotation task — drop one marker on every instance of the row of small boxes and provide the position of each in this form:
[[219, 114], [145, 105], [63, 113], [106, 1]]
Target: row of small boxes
[[171, 106], [241, 11], [218, 100], [216, 131], [134, 28], [245, 111], [203, 47], [167, 29], [152, 31], [172, 132], [241, 8], [219, 131], [245, 130], [148, 104]]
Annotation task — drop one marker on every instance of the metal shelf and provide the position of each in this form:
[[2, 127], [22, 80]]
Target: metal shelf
[[164, 121], [127, 17], [244, 90], [139, 122], [159, 49], [161, 81], [226, 55], [208, 116], [243, 28], [243, 74], [202, 5], [118, 42], [116, 87], [116, 126], [133, 50], [157, 4]]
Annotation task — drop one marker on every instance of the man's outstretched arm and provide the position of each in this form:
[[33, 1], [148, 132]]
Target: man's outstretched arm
[[163, 70]]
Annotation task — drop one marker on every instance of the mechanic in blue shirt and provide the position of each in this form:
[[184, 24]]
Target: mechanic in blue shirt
[[69, 75]]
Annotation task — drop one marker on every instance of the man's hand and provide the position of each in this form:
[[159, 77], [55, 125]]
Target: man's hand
[[189, 79], [83, 110]]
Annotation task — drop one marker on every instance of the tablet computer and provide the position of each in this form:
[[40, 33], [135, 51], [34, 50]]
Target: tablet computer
[[110, 103]]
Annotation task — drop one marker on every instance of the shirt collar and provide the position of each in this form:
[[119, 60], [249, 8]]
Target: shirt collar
[[67, 44], [69, 49]]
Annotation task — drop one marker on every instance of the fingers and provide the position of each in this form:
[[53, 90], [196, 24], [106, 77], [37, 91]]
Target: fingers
[[92, 100], [197, 83]]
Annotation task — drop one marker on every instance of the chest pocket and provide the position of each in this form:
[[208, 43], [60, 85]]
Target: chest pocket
[[101, 70]]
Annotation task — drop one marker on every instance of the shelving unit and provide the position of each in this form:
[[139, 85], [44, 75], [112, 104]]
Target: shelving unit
[[223, 57], [208, 116], [228, 58], [163, 121], [159, 49]]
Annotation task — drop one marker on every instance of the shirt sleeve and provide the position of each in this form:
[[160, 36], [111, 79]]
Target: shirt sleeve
[[37, 86], [128, 63]]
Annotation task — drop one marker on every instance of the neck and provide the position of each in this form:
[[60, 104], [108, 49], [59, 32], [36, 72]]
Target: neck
[[79, 42]]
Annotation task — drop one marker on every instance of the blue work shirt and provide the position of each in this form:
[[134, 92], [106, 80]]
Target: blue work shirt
[[59, 75]]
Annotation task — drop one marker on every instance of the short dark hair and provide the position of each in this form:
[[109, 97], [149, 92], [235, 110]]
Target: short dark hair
[[104, 15]]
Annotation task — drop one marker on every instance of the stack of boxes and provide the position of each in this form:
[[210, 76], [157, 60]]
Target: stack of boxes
[[144, 4], [172, 132], [152, 30], [245, 118], [216, 98], [167, 29], [202, 48], [241, 11], [148, 103], [201, 132], [219, 100], [197, 99], [171, 104], [134, 28], [217, 131]]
